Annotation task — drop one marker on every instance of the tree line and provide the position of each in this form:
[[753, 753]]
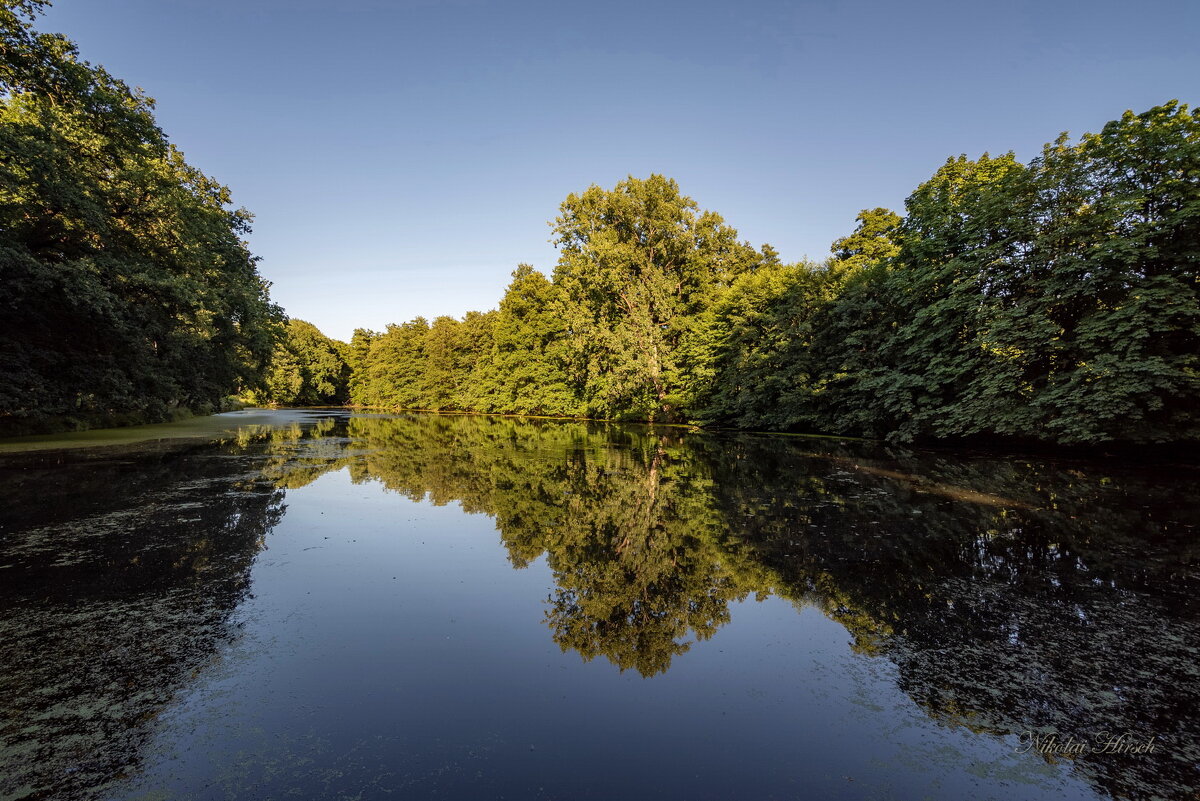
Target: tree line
[[1055, 300], [127, 293]]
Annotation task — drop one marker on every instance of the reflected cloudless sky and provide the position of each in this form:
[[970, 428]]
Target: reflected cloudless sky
[[402, 157]]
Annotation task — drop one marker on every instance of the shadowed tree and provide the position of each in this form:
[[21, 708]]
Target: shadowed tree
[[128, 291], [307, 369]]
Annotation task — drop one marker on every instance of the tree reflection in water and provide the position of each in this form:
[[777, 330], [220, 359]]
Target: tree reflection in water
[[1012, 595], [122, 572]]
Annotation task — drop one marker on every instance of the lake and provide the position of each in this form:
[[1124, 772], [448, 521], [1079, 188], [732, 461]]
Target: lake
[[332, 605]]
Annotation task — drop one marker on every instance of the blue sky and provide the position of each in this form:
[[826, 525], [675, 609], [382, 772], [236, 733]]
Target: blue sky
[[402, 157]]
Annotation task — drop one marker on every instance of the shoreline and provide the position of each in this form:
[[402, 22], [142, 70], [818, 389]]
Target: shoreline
[[220, 425]]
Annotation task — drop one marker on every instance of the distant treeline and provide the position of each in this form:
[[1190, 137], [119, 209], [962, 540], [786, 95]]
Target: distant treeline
[[1057, 300], [126, 291]]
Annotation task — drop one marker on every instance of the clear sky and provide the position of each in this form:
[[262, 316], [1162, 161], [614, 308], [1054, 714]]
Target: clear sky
[[403, 156]]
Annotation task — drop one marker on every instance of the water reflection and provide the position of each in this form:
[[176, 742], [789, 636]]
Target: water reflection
[[1071, 612], [121, 573], [1012, 596]]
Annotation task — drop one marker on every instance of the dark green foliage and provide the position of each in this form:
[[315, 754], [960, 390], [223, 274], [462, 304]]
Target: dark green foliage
[[394, 370], [761, 330], [955, 244], [527, 370], [127, 289], [358, 357], [1118, 258], [1057, 300], [307, 369], [849, 332]]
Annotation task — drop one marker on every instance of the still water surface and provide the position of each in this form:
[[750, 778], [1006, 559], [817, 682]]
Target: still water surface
[[327, 605]]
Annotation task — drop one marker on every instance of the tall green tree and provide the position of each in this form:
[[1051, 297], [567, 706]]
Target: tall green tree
[[762, 335], [875, 240], [358, 357], [1056, 300], [772, 335], [1112, 276], [307, 369], [964, 229], [474, 361], [395, 369], [446, 365], [127, 287], [637, 265], [527, 371]]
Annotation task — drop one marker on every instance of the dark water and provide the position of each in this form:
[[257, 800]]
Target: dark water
[[473, 608]]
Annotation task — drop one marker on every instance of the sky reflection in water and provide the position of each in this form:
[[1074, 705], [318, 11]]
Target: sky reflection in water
[[471, 607]]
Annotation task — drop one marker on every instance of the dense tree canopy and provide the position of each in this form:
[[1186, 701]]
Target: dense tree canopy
[[307, 369], [127, 287], [1056, 300], [638, 265]]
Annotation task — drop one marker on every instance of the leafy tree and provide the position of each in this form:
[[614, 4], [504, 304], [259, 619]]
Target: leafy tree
[[851, 330], [762, 334], [773, 333], [963, 229], [474, 361], [874, 241], [444, 368], [1113, 277], [638, 263], [528, 369], [395, 367], [307, 369], [358, 358], [1056, 300], [128, 291]]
